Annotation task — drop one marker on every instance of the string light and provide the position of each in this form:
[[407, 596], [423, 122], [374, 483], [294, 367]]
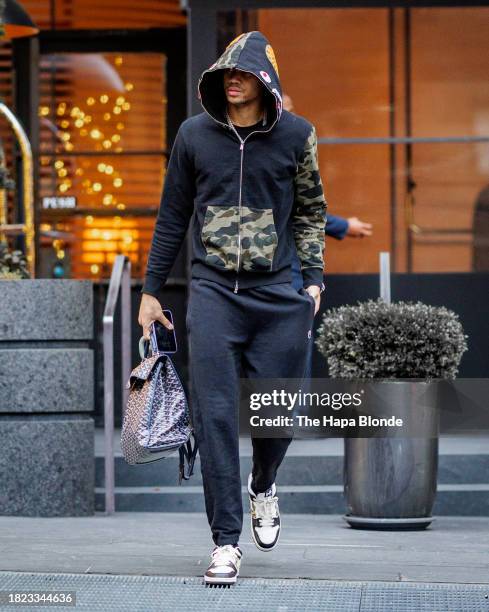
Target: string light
[[72, 122]]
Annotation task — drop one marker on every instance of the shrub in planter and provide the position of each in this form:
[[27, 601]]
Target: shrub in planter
[[391, 482], [13, 264]]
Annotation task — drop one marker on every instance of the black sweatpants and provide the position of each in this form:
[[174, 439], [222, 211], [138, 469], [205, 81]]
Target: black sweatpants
[[261, 332]]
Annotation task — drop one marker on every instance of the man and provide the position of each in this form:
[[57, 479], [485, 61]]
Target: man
[[246, 171]]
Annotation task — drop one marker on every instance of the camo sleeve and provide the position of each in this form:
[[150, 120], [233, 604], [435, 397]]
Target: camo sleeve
[[309, 216], [174, 214]]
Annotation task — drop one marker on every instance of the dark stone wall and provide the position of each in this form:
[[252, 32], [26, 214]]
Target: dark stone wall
[[46, 398]]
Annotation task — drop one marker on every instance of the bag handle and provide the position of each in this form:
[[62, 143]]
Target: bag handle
[[144, 348]]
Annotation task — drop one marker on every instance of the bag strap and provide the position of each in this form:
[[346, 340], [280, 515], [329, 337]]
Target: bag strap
[[187, 453]]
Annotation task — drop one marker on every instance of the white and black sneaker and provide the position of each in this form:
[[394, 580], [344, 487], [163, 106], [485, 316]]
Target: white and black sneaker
[[265, 517], [224, 567]]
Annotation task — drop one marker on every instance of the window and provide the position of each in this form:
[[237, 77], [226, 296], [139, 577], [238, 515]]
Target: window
[[395, 74], [103, 139]]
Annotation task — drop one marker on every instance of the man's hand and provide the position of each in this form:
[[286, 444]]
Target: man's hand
[[315, 292], [149, 311], [357, 228]]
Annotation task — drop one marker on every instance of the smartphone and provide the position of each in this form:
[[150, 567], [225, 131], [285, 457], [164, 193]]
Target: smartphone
[[163, 340]]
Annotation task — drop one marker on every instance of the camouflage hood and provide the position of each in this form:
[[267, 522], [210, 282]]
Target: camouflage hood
[[250, 52]]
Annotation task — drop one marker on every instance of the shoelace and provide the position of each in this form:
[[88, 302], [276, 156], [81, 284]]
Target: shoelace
[[223, 554], [266, 510]]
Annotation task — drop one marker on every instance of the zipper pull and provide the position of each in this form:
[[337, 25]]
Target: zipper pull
[[236, 286], [242, 146]]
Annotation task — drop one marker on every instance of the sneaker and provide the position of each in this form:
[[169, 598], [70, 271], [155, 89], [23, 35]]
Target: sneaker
[[265, 517], [224, 567]]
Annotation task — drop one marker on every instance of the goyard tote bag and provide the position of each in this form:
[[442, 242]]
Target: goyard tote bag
[[156, 420]]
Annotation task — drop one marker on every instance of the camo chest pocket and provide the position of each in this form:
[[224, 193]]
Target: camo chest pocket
[[258, 238], [220, 236]]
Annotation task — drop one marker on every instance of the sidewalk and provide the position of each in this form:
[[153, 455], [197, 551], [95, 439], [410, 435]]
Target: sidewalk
[[335, 564]]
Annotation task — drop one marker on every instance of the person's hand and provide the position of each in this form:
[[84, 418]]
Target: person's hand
[[357, 228], [315, 292], [149, 311]]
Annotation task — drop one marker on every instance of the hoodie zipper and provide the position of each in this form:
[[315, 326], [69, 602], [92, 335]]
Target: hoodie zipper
[[241, 148]]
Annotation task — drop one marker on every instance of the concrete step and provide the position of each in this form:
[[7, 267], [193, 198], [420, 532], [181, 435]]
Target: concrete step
[[311, 479], [451, 500], [295, 470]]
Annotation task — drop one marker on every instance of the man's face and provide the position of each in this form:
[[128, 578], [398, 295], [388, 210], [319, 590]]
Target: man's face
[[241, 87]]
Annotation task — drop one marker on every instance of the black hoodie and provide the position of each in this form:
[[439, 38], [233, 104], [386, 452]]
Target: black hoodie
[[253, 200]]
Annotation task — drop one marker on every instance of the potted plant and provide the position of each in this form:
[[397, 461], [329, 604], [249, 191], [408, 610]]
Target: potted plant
[[13, 264], [390, 482]]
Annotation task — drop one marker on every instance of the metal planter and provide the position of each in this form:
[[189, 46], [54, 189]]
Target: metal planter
[[390, 482]]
